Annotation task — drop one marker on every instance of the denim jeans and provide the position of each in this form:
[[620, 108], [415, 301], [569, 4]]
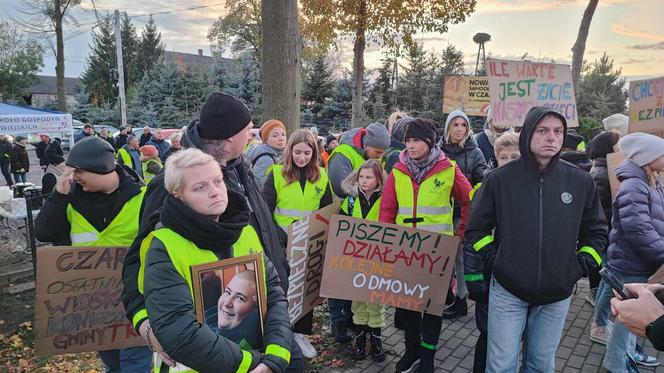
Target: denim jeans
[[508, 316], [127, 360], [340, 310], [461, 290], [603, 303], [622, 341], [20, 177]]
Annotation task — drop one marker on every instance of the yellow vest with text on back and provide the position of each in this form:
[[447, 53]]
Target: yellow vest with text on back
[[293, 203], [434, 208]]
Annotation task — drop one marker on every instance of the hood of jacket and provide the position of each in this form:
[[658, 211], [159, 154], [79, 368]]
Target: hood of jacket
[[532, 118], [353, 138], [455, 149], [630, 170], [442, 163], [261, 149], [450, 118], [350, 185]]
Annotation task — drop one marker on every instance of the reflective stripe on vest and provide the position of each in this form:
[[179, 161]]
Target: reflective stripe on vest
[[184, 254], [355, 157], [121, 232], [433, 212], [357, 209], [292, 203], [144, 166]]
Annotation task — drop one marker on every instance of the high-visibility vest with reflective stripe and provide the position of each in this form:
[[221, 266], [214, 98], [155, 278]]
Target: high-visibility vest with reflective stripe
[[357, 209], [120, 232], [184, 254], [293, 204], [144, 166], [434, 205], [348, 151]]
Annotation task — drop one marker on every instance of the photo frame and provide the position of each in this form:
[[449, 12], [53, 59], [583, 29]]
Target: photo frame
[[230, 297]]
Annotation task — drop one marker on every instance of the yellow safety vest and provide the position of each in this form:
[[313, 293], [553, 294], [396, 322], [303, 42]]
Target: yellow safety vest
[[294, 204], [184, 254], [348, 151], [126, 157], [434, 210], [144, 166], [357, 209], [121, 232]]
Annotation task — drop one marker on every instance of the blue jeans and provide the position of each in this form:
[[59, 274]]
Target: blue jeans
[[340, 310], [508, 316], [603, 303], [127, 360], [622, 341], [20, 177]]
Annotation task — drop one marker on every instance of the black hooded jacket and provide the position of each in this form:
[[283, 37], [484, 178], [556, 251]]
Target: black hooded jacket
[[551, 224], [239, 178]]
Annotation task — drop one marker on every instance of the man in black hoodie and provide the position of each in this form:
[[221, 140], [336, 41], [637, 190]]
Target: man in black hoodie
[[549, 228], [5, 161], [222, 131]]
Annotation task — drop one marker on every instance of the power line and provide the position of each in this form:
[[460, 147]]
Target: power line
[[176, 10]]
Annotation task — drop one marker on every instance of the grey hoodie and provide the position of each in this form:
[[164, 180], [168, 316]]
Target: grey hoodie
[[262, 157]]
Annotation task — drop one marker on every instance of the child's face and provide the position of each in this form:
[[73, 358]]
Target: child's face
[[367, 180], [507, 155]]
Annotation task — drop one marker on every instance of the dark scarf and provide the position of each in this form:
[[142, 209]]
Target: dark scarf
[[201, 230], [420, 168]]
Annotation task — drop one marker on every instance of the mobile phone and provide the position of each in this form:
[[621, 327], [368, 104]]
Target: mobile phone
[[615, 283]]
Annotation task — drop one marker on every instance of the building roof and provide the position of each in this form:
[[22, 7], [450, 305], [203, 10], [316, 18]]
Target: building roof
[[46, 84], [182, 60]]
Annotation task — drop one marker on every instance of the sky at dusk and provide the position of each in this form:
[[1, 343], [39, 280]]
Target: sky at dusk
[[630, 31]]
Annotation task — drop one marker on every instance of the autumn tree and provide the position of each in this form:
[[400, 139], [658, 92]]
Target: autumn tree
[[388, 22], [21, 57], [238, 30]]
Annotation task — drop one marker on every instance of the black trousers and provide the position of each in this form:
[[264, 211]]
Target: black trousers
[[5, 164], [481, 320], [420, 327]]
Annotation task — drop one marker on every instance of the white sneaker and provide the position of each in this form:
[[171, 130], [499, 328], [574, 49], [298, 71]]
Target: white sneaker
[[305, 346]]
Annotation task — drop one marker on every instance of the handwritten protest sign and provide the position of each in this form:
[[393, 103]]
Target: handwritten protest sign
[[646, 106], [387, 264], [612, 161], [78, 305], [517, 86], [467, 93], [307, 239]]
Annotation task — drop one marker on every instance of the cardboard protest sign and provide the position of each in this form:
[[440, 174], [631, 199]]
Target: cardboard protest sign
[[388, 264], [646, 106], [467, 93], [612, 161], [517, 86], [307, 240], [78, 306]]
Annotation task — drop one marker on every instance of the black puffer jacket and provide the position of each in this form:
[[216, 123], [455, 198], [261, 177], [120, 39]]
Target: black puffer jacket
[[600, 174], [171, 308], [469, 158], [550, 224]]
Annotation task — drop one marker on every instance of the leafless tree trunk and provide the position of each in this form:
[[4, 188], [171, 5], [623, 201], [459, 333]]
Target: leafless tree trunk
[[580, 45], [280, 70], [60, 56], [358, 64]]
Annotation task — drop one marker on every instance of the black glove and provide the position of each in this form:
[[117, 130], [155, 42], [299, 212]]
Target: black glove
[[586, 262]]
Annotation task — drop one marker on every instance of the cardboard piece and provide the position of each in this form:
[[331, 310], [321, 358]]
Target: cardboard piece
[[78, 306], [388, 264], [646, 106], [305, 252], [517, 86], [612, 161], [467, 93]]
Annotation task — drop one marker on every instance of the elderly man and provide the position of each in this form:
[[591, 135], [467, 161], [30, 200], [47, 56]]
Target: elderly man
[[145, 136], [158, 141]]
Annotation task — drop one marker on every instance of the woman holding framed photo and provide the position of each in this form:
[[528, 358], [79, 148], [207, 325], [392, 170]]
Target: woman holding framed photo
[[203, 222]]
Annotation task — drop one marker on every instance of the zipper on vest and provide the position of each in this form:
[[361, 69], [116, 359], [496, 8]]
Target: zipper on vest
[[541, 228]]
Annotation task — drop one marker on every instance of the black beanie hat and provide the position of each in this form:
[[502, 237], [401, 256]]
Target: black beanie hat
[[423, 130], [572, 140], [602, 144], [92, 154], [222, 117]]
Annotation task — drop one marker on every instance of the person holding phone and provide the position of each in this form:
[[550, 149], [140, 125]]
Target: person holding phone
[[644, 314], [636, 242]]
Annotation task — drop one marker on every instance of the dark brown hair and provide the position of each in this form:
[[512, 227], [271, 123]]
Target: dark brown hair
[[290, 171]]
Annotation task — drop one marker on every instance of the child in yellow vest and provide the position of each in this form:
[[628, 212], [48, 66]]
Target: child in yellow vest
[[364, 188]]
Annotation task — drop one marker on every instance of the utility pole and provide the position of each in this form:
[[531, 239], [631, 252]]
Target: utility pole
[[118, 53]]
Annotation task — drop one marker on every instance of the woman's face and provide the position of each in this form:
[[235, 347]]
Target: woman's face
[[458, 130], [277, 138], [507, 155], [416, 148], [236, 302], [204, 190], [367, 180], [302, 154], [657, 164]]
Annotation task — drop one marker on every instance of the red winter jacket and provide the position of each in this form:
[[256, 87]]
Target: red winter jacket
[[460, 191]]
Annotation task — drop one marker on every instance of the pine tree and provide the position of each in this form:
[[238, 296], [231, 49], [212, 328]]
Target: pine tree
[[100, 75], [317, 90], [601, 90], [340, 104], [130, 45], [381, 96], [150, 47], [411, 90]]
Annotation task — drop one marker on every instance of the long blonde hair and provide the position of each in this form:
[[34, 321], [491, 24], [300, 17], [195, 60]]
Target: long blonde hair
[[653, 176]]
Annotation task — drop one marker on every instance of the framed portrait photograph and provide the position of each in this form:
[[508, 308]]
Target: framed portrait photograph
[[230, 298]]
